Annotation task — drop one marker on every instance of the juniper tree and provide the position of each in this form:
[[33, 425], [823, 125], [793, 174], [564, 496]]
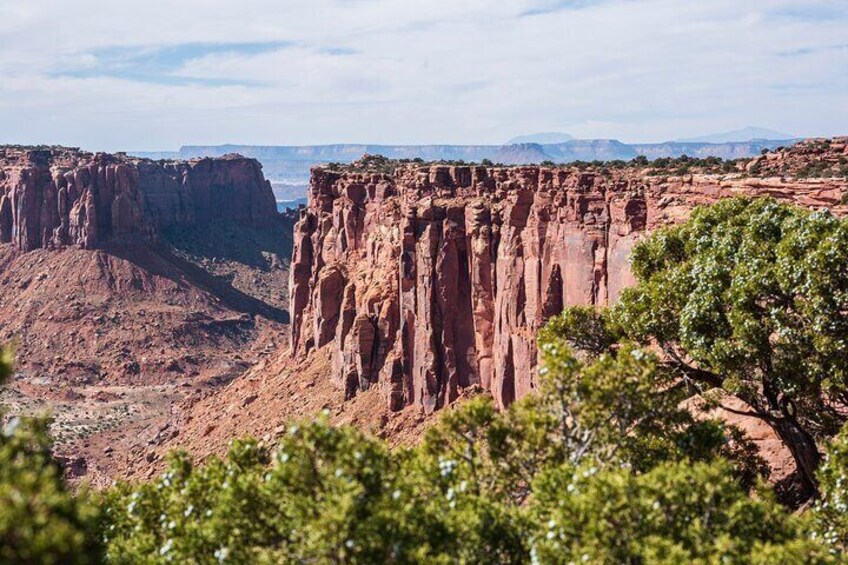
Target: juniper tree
[[747, 298]]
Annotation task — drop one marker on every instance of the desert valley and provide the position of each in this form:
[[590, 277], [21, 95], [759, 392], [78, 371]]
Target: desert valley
[[163, 304]]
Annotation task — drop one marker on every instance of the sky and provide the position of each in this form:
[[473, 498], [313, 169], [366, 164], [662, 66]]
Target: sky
[[158, 74]]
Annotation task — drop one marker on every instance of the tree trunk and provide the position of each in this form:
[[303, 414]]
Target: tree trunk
[[804, 451]]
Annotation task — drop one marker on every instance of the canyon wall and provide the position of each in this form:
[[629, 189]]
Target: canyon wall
[[57, 196], [427, 279]]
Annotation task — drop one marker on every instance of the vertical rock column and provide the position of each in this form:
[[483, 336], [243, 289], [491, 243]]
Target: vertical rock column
[[436, 312], [482, 240], [300, 278], [512, 344]]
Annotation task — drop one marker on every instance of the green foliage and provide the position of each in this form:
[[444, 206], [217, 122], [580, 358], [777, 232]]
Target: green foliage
[[596, 463], [749, 298], [684, 165], [599, 465], [753, 291], [585, 328], [40, 520], [622, 408], [610, 409], [326, 495], [675, 513], [831, 511], [821, 169], [5, 364], [662, 166], [604, 413], [454, 471]]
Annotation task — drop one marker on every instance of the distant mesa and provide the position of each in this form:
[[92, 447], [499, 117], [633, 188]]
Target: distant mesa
[[288, 167], [545, 138], [749, 133], [55, 196], [519, 153]]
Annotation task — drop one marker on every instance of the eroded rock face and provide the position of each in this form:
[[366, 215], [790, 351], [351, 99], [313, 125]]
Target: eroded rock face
[[429, 279], [55, 197]]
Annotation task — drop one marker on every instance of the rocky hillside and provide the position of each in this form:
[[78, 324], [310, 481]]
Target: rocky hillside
[[425, 280]]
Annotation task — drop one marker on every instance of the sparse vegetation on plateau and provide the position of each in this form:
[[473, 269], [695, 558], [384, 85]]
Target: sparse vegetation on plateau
[[662, 166]]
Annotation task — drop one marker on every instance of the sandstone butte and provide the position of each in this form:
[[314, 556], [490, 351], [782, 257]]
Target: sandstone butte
[[424, 280], [52, 197], [127, 284], [86, 269]]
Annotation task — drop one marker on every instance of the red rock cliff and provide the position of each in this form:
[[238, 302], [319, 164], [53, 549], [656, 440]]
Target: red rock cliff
[[428, 279], [57, 196]]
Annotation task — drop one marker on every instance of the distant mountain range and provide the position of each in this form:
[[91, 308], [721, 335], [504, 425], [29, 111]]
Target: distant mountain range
[[750, 133], [287, 167], [541, 138], [746, 134]]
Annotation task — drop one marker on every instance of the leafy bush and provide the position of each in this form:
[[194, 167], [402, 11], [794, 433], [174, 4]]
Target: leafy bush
[[5, 364], [831, 511], [600, 465], [40, 520], [326, 494], [674, 513]]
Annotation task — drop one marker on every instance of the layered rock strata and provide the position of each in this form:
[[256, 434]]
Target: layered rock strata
[[428, 279], [51, 197]]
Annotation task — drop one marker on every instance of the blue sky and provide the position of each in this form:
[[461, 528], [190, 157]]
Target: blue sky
[[164, 64], [120, 75]]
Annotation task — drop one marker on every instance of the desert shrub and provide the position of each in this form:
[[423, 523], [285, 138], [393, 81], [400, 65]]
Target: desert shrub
[[5, 364], [678, 512], [41, 521], [599, 465], [831, 511], [325, 494]]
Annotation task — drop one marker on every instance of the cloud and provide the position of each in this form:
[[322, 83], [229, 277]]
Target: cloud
[[814, 10], [803, 51], [549, 6], [163, 64], [114, 76]]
